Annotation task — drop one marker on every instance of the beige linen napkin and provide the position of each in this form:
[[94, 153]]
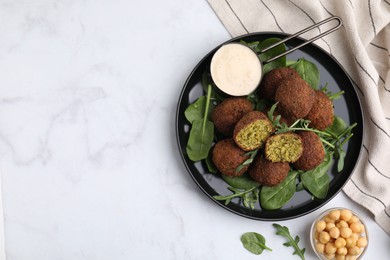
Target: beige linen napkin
[[362, 47]]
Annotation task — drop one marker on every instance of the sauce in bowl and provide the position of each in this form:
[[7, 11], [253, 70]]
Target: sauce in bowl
[[236, 69]]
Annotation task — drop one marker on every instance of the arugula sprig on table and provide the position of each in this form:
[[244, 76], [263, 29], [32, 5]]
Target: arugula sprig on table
[[283, 231]]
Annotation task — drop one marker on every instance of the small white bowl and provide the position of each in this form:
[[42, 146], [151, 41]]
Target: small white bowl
[[314, 240]]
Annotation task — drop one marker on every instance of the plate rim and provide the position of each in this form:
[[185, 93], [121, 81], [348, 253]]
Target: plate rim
[[182, 153]]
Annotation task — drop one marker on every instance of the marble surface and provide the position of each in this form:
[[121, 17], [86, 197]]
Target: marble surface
[[88, 156]]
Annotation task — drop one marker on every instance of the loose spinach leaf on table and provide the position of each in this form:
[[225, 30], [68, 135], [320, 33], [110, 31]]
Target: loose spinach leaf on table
[[254, 242], [283, 231], [316, 181], [202, 131], [308, 71], [277, 196]]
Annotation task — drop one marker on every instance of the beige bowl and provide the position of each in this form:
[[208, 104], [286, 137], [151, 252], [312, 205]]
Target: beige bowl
[[339, 231]]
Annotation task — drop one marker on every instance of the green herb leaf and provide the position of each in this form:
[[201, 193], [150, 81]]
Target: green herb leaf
[[277, 196], [249, 197], [201, 135], [254, 242], [210, 164], [252, 155], [283, 231], [338, 126], [240, 182], [278, 63], [195, 111], [308, 71], [316, 181]]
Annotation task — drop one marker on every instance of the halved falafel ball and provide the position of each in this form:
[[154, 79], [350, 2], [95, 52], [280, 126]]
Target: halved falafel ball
[[285, 147], [271, 80], [268, 173], [252, 130], [227, 156], [313, 151], [227, 113], [321, 114], [296, 98]]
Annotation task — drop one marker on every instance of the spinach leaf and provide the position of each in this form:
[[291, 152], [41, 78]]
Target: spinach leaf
[[210, 164], [278, 63], [316, 181], [284, 232], [240, 182], [200, 139], [254, 242], [277, 196], [338, 126], [308, 71], [202, 134], [195, 111]]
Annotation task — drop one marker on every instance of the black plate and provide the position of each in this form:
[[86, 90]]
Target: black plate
[[348, 107]]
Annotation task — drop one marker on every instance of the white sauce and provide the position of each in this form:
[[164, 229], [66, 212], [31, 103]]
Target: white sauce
[[236, 69]]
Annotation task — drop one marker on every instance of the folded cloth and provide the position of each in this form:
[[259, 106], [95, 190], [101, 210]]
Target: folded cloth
[[362, 46]]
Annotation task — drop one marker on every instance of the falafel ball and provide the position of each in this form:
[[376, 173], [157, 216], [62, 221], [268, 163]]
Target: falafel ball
[[296, 98], [272, 79], [252, 130], [227, 156], [227, 113], [268, 173], [285, 147], [321, 114], [313, 151]]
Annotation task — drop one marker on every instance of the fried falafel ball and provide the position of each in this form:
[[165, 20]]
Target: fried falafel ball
[[321, 114], [227, 156], [313, 151], [296, 98], [272, 79], [268, 173], [252, 130], [285, 147], [227, 113]]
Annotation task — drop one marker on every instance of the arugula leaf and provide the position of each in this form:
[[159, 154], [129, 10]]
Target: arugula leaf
[[308, 71], [283, 231], [248, 196], [254, 242], [277, 196]]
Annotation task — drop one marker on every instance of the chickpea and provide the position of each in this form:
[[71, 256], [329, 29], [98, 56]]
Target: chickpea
[[356, 227], [320, 226], [353, 219], [334, 214], [342, 251], [324, 237], [353, 250], [327, 219], [340, 257], [320, 248], [345, 232], [355, 237], [340, 242], [350, 257], [329, 256], [345, 214], [330, 249], [342, 224], [329, 226], [334, 232], [361, 242], [349, 242]]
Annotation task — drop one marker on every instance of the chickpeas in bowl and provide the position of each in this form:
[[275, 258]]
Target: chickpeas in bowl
[[339, 233]]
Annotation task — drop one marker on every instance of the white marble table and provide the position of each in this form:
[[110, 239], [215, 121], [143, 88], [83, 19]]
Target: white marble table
[[88, 154]]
